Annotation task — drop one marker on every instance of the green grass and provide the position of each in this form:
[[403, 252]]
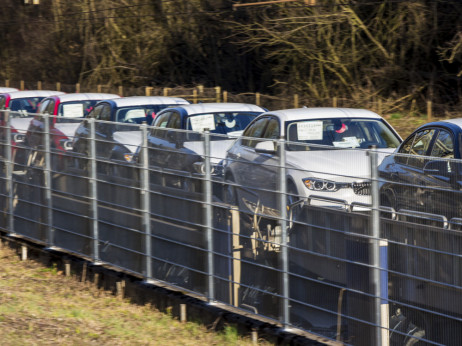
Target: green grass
[[40, 306]]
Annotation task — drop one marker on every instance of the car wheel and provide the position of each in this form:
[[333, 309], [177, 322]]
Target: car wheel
[[387, 205], [406, 331]]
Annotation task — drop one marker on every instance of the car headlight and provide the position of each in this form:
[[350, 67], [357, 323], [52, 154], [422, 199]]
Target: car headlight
[[129, 157], [316, 184], [66, 144], [199, 167], [19, 137]]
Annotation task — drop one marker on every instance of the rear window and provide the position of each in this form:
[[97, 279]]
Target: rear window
[[27, 104], [76, 109]]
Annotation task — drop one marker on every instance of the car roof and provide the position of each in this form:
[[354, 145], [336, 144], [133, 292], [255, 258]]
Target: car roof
[[86, 96], [33, 93], [6, 89], [321, 113], [220, 107], [456, 121], [148, 100]]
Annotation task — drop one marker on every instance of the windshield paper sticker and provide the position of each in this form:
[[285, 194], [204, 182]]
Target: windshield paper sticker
[[309, 131], [135, 113], [201, 122], [73, 110], [347, 142]]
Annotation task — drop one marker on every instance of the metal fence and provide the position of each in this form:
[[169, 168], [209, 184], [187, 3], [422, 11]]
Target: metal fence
[[347, 262]]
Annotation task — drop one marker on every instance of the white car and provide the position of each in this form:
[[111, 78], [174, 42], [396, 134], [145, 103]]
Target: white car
[[175, 143], [117, 125], [66, 112], [325, 163], [23, 104], [7, 90]]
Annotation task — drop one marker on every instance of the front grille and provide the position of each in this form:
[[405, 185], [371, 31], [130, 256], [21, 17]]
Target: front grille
[[363, 189]]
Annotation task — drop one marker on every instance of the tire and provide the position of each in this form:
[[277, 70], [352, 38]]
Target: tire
[[386, 201], [406, 331]]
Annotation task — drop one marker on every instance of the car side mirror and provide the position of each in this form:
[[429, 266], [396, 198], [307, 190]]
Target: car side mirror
[[266, 147], [437, 168]]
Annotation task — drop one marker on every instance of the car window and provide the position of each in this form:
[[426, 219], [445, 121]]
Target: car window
[[230, 123], [96, 112], [420, 147], [406, 146], [161, 121], [50, 107], [43, 106], [105, 113], [2, 102], [422, 142], [138, 114], [405, 149], [175, 121], [443, 146], [255, 130], [26, 104], [76, 109], [272, 130], [341, 133]]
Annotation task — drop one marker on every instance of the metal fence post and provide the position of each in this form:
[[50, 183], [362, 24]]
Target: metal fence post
[[93, 191], [9, 173], [47, 181], [283, 224], [145, 200], [375, 246], [207, 189]]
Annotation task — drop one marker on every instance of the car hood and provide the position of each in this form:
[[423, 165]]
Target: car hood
[[130, 139], [217, 148], [350, 164], [21, 124]]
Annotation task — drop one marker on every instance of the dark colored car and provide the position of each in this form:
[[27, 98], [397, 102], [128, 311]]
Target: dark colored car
[[116, 131], [423, 175]]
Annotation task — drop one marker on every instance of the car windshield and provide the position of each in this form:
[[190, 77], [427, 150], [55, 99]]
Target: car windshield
[[138, 114], [27, 104], [341, 133], [76, 109], [232, 123]]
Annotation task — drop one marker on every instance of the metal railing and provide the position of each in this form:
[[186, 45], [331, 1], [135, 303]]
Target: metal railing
[[352, 268]]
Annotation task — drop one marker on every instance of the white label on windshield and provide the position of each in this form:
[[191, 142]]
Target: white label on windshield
[[347, 142], [309, 131], [201, 122], [73, 110], [135, 113]]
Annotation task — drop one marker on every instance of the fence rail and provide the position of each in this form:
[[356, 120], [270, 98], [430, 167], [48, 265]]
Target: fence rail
[[200, 93], [359, 272]]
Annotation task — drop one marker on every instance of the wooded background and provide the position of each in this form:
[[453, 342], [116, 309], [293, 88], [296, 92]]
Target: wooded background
[[396, 53]]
